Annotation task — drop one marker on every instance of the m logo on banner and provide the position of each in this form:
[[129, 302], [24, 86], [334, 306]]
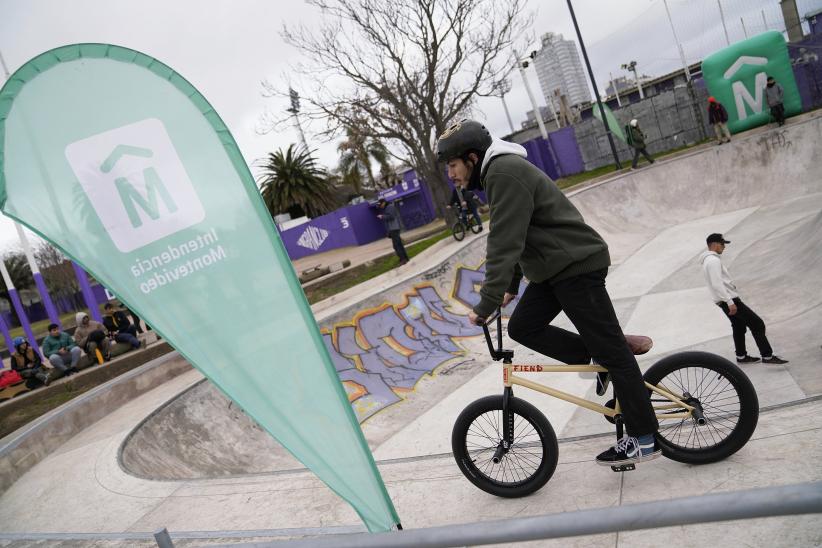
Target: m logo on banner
[[136, 183]]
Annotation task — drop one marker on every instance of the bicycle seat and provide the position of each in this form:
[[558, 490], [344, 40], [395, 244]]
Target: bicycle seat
[[639, 344]]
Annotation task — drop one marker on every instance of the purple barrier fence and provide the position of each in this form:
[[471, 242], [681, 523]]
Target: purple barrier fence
[[566, 151], [807, 69], [351, 225], [539, 154]]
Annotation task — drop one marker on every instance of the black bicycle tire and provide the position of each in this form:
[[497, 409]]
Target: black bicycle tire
[[475, 227], [458, 231], [548, 439], [748, 407]]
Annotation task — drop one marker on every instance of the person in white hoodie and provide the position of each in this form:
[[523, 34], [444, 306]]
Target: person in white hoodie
[[724, 294]]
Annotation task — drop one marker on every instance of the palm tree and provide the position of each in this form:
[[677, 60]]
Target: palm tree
[[356, 153], [292, 182], [19, 271]]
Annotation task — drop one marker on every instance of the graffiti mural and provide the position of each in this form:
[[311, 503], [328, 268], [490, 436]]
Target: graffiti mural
[[386, 350], [383, 352]]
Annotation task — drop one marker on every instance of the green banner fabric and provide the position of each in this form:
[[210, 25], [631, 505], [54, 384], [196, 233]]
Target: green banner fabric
[[123, 165], [736, 76], [613, 123]]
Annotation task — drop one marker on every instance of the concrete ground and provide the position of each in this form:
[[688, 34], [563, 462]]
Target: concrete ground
[[182, 458]]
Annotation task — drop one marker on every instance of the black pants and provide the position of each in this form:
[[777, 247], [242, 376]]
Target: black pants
[[585, 301], [745, 319], [637, 152], [778, 113], [399, 249]]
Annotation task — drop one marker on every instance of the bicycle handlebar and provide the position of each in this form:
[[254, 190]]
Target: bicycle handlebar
[[496, 353]]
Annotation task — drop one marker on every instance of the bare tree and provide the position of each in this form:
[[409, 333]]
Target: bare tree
[[408, 67], [58, 274]]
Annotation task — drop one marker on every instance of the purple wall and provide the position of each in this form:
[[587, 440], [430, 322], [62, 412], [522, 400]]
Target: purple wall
[[333, 230], [566, 151], [540, 154], [807, 70]]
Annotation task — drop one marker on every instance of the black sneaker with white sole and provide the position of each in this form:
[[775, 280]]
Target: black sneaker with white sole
[[747, 359], [774, 360], [629, 450]]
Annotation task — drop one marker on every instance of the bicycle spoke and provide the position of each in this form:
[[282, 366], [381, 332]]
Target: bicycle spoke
[[519, 463], [720, 401]]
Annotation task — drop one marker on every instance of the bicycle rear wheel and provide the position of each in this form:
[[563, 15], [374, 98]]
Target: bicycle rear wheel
[[458, 230], [725, 395], [530, 460], [475, 227]]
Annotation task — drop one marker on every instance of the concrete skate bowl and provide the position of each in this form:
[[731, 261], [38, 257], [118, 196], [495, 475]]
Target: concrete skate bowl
[[408, 343], [400, 349]]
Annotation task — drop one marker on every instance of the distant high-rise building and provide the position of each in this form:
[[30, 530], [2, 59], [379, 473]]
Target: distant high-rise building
[[558, 67]]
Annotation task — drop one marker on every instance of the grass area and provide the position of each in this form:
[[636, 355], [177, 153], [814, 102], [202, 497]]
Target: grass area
[[371, 269], [572, 180], [11, 422]]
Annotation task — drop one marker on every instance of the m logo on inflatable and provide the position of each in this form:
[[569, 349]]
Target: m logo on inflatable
[[737, 76]]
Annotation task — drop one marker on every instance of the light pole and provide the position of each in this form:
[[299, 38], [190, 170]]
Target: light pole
[[616, 91], [294, 110], [594, 84], [696, 110], [504, 87], [722, 17], [35, 271], [521, 65], [631, 67]]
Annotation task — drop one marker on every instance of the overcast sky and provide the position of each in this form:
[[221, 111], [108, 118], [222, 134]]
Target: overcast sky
[[226, 47]]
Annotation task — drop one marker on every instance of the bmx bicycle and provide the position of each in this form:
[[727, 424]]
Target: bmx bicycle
[[706, 406], [463, 224]]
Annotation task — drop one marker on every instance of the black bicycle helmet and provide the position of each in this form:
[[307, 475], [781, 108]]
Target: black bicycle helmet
[[463, 137]]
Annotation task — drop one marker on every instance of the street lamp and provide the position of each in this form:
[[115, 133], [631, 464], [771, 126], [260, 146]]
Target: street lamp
[[631, 67], [594, 84], [521, 65], [504, 86], [524, 65], [294, 110]]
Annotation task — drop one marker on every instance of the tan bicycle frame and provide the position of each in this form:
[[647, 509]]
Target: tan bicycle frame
[[509, 379]]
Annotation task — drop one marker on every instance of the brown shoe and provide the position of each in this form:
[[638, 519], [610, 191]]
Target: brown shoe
[[639, 344]]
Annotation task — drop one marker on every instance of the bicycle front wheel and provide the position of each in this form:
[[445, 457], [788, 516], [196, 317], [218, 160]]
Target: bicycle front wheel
[[458, 230], [724, 394], [527, 464]]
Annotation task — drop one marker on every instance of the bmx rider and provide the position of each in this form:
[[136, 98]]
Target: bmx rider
[[536, 231]]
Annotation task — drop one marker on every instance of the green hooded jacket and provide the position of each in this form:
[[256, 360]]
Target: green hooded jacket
[[533, 224]]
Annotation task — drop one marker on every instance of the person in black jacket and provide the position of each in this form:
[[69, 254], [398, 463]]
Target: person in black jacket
[[119, 327], [389, 215], [718, 117]]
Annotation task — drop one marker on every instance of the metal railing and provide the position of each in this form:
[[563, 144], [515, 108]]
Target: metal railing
[[754, 503]]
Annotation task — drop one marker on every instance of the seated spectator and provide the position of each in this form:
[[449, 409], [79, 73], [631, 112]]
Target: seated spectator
[[28, 364], [90, 335], [135, 319], [61, 350], [119, 327]]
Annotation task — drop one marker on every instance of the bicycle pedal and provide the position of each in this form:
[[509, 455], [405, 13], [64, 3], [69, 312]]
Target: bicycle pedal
[[624, 467]]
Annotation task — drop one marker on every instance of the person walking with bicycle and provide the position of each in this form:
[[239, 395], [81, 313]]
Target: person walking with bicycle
[[536, 231]]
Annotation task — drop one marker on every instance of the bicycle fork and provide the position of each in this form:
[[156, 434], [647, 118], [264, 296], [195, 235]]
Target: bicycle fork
[[507, 422]]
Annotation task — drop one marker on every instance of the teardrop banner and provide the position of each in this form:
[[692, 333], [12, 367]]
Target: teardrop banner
[[124, 166]]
